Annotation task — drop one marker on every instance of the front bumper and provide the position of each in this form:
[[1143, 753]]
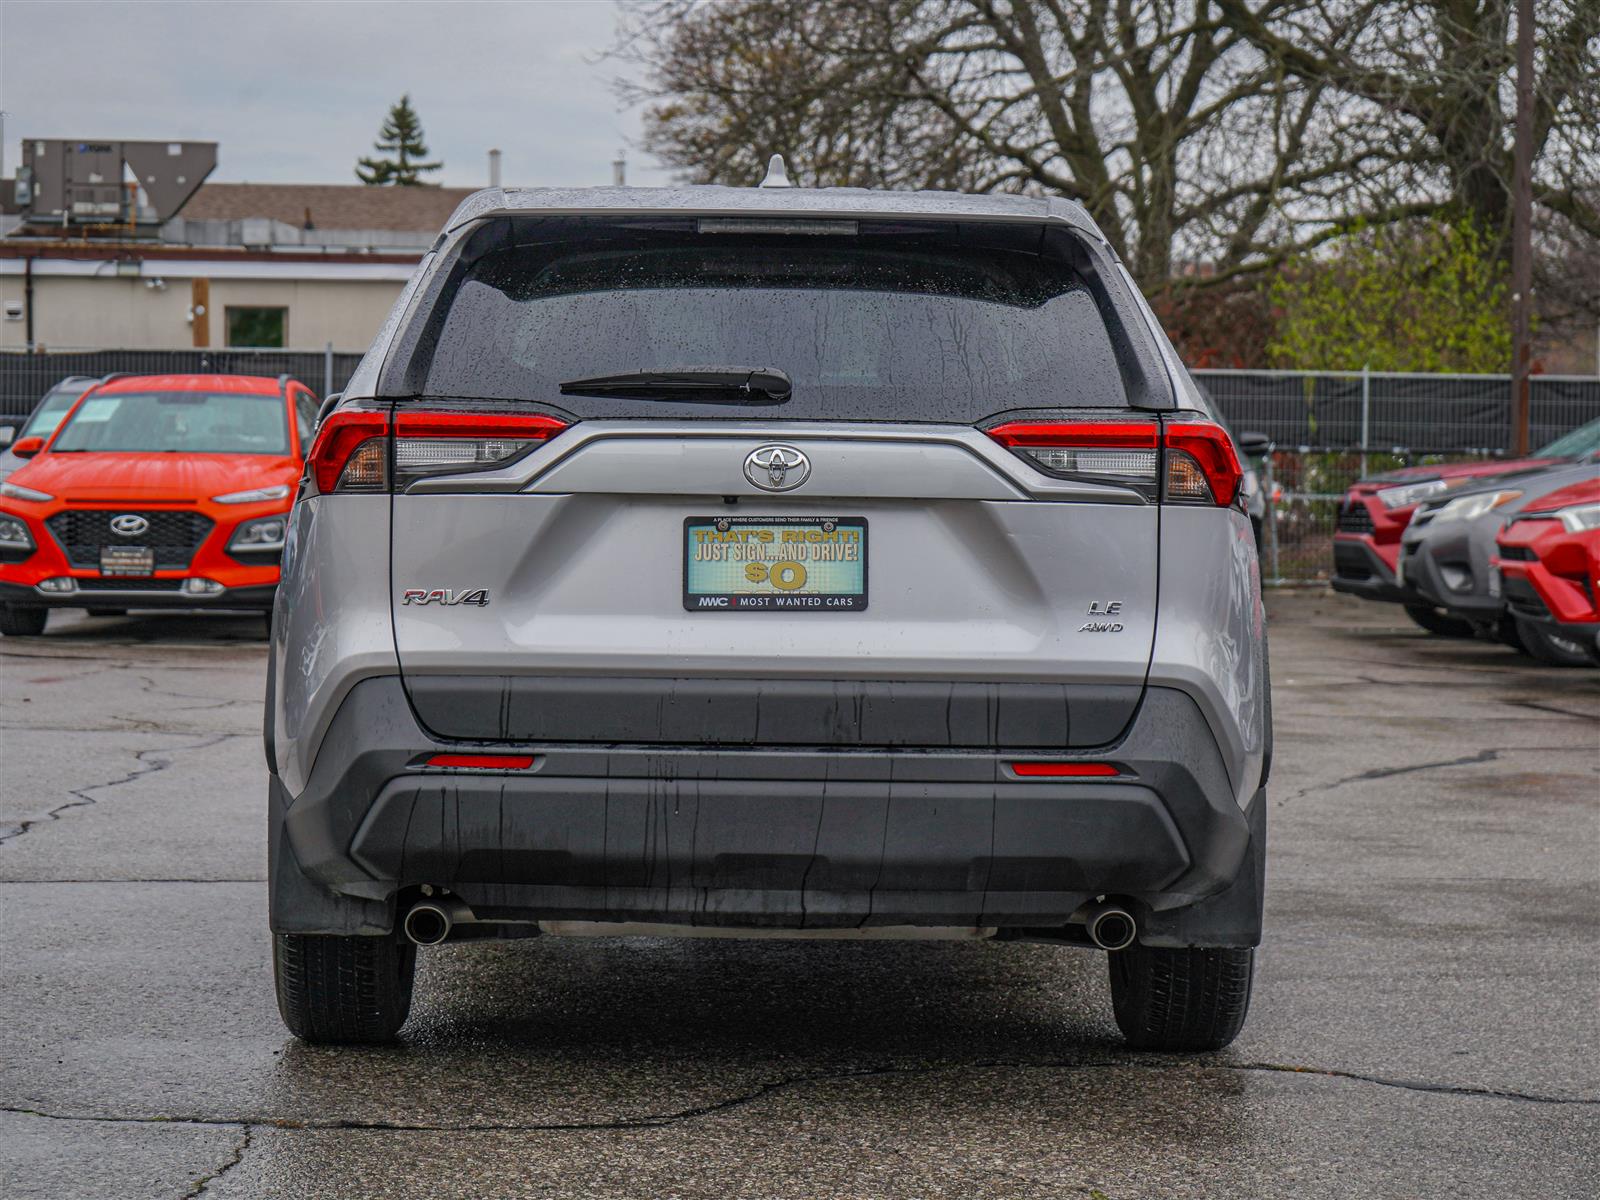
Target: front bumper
[[250, 598], [1430, 560], [773, 838], [1360, 570], [248, 579]]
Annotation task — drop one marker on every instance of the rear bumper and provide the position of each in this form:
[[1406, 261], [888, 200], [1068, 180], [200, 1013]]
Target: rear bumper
[[799, 838]]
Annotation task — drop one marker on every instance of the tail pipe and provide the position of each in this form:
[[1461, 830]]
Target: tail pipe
[[429, 922], [1110, 926]]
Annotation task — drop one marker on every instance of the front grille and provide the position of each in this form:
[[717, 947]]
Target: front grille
[[1522, 597], [1518, 553], [1354, 517], [174, 535], [1351, 562]]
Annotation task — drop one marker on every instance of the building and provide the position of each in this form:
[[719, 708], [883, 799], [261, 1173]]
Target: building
[[296, 266]]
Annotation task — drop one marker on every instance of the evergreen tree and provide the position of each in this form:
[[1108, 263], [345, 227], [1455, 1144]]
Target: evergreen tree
[[401, 138]]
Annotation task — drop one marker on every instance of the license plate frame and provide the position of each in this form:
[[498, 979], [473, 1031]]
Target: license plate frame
[[121, 562], [761, 595]]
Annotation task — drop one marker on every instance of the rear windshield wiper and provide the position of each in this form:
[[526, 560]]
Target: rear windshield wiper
[[697, 385]]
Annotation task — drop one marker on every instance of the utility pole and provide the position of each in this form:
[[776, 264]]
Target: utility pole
[[1522, 234]]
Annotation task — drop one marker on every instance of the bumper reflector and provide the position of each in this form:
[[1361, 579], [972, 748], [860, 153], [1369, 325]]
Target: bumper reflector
[[482, 762], [1064, 770]]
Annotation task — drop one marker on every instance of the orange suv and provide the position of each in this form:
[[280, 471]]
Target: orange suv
[[168, 491]]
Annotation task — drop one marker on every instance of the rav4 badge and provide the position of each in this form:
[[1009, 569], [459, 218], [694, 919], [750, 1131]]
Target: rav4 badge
[[475, 596]]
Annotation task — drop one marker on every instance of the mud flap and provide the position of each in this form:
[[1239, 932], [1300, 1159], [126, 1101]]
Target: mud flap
[[1232, 917], [297, 904]]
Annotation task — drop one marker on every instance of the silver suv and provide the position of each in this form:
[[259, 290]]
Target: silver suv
[[771, 563]]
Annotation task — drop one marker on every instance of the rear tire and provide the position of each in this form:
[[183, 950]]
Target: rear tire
[[22, 620], [349, 990], [1175, 1000], [1437, 622], [1550, 647]]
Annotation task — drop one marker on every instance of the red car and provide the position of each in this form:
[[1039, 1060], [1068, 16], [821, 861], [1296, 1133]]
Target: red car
[[154, 491], [1548, 558], [1375, 512]]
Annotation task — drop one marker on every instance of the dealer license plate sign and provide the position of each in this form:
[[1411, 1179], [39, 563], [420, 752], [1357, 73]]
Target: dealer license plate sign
[[127, 560], [775, 564]]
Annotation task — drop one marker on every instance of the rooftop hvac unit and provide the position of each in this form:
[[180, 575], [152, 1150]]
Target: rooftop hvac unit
[[81, 184]]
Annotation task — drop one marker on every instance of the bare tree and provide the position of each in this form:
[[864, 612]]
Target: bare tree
[[1185, 142], [1439, 76]]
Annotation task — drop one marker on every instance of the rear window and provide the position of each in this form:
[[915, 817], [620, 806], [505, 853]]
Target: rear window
[[181, 422], [902, 326]]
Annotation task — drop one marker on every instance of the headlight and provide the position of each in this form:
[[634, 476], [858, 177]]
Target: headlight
[[1580, 518], [14, 534], [264, 533], [18, 492], [1467, 508], [254, 495], [1408, 494]]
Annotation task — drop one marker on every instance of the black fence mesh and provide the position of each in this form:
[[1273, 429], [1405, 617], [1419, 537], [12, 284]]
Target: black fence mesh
[[1423, 414], [24, 377]]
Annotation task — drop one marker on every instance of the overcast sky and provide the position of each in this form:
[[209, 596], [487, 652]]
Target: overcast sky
[[294, 92]]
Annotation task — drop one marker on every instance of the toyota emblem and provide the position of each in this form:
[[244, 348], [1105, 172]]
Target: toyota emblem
[[129, 525], [777, 468]]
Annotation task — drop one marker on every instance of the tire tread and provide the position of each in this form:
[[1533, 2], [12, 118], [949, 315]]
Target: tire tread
[[343, 989], [1181, 999]]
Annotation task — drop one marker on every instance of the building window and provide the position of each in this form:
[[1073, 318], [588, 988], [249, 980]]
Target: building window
[[258, 327]]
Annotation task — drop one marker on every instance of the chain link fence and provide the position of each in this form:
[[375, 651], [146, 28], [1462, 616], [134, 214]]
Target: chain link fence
[[1328, 428], [1331, 428]]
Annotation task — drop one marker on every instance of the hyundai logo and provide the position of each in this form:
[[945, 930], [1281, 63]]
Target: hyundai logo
[[777, 468], [129, 525]]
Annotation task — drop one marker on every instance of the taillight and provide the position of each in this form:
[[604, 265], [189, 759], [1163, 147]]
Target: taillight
[[1202, 466], [428, 443], [353, 434], [1190, 462], [353, 451], [1125, 452]]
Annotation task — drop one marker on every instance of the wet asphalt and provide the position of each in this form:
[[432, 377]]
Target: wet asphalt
[[1426, 1018]]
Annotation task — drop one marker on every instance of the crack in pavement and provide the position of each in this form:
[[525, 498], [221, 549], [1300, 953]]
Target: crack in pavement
[[791, 1082], [1551, 708], [134, 879], [203, 1184], [1482, 756], [84, 800]]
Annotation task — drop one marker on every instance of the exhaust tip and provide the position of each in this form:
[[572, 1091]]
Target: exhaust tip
[[427, 924], [1111, 928]]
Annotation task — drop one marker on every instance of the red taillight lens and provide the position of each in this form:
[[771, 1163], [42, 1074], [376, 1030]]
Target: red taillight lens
[[1200, 465], [351, 453], [1064, 770], [482, 762], [428, 443], [339, 438], [1209, 451]]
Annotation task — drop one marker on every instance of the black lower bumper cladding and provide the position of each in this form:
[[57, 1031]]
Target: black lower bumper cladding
[[248, 598], [771, 837]]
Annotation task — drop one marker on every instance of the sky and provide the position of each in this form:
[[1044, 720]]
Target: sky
[[294, 92]]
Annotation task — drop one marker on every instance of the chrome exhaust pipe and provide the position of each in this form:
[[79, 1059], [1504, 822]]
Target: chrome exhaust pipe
[[430, 921], [1110, 926]]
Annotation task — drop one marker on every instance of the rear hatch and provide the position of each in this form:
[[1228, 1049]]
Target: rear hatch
[[734, 484]]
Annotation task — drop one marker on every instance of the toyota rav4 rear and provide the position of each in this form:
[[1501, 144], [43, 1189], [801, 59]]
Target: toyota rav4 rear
[[808, 564]]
